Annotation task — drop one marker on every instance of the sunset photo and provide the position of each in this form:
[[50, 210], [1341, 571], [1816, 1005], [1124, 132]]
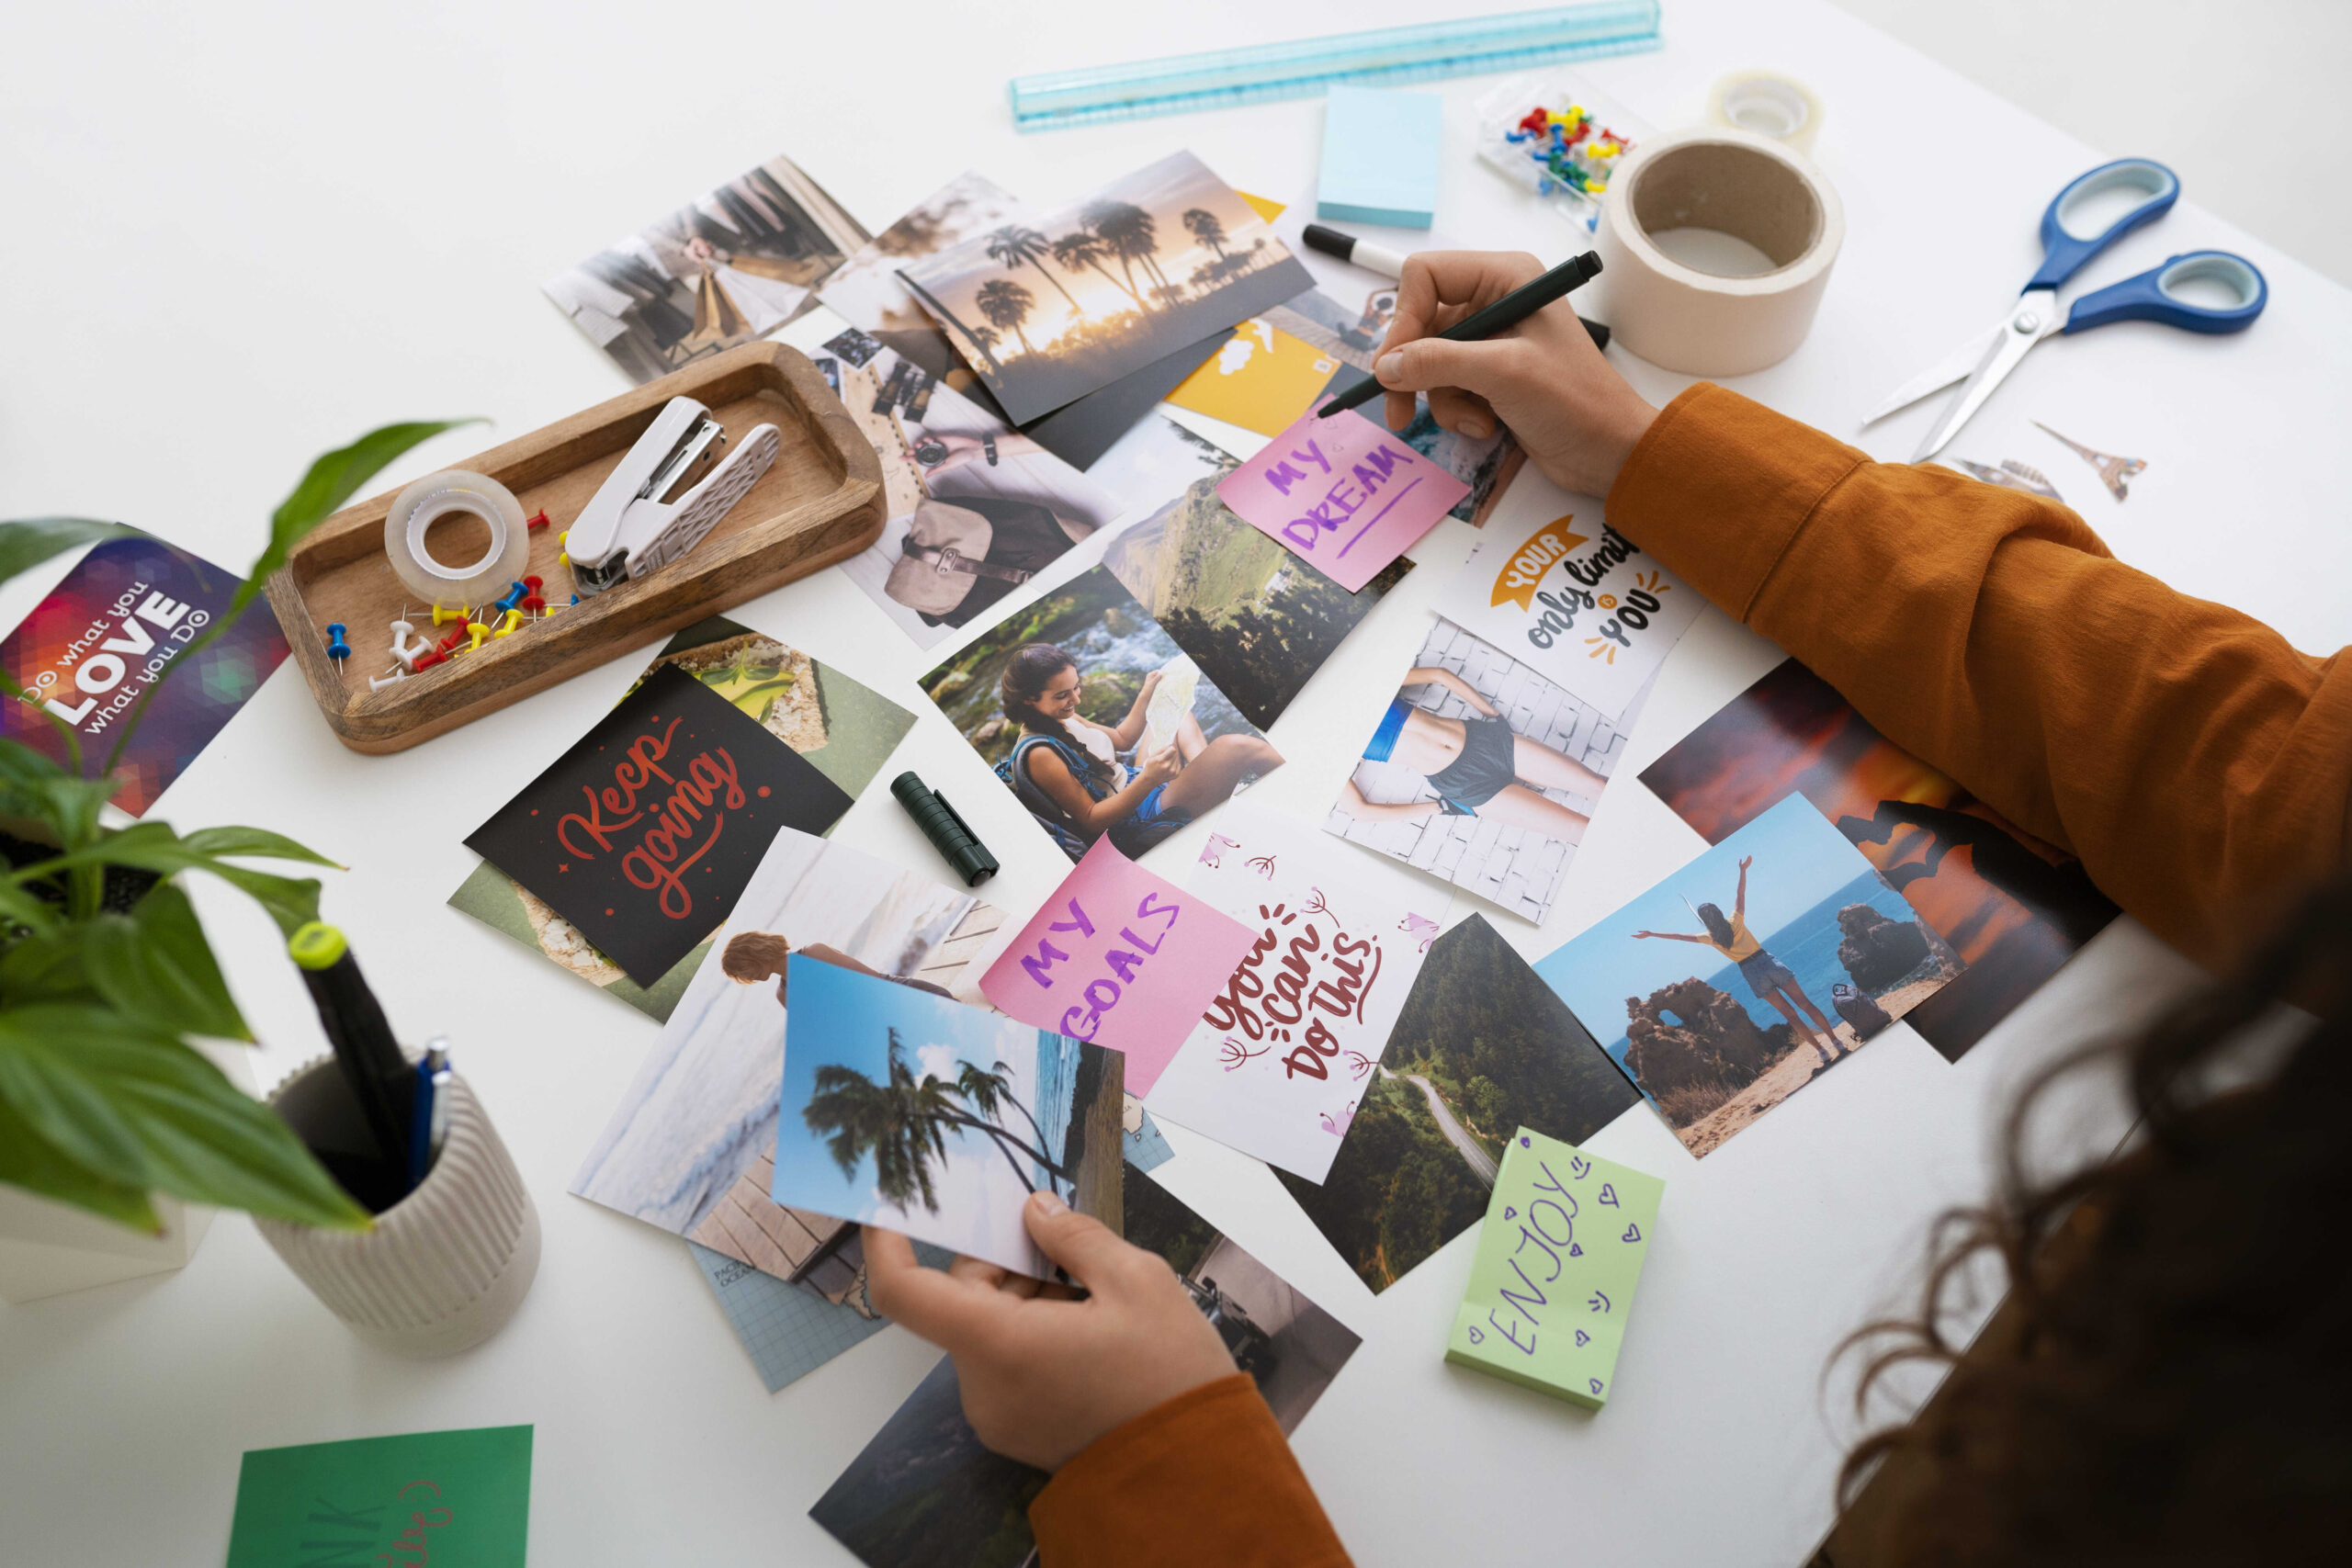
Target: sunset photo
[[1050, 310]]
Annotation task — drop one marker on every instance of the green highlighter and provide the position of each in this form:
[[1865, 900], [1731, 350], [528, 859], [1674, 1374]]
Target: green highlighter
[[1559, 1256], [461, 1499]]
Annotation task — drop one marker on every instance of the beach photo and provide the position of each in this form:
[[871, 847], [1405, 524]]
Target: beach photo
[[1480, 771], [1257, 621], [686, 1147], [732, 264], [866, 288], [1750, 972], [2014, 908], [903, 1108], [1481, 1048], [1051, 309], [924, 1494], [1061, 700]]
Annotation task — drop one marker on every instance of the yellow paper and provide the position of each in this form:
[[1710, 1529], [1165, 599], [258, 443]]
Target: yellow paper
[[1269, 210], [1262, 379]]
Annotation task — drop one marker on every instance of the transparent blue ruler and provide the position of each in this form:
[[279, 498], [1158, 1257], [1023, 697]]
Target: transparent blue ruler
[[1305, 67]]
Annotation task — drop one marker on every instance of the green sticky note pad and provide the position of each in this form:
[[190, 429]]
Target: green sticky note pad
[[453, 1499], [1559, 1256]]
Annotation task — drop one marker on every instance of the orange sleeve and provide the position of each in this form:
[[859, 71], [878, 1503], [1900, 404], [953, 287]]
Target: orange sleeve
[[1206, 1477], [2198, 765]]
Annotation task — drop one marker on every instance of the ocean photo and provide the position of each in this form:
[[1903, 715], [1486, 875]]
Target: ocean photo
[[1750, 972], [703, 1109]]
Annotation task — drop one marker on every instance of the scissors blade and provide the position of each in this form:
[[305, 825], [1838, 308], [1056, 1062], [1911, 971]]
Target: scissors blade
[[2035, 318], [1950, 368]]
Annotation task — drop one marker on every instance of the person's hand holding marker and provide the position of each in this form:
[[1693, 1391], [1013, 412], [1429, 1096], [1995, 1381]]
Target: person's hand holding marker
[[1044, 1373], [1543, 378]]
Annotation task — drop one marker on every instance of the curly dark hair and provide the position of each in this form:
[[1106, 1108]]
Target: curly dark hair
[[2171, 1377]]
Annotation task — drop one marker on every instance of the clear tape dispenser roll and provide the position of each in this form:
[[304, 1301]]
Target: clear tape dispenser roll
[[1768, 104], [444, 495]]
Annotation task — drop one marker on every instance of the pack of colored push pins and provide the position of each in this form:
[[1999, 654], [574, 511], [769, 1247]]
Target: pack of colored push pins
[[1558, 141], [1559, 1256]]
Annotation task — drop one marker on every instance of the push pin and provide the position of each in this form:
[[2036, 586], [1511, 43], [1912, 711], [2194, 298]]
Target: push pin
[[438, 656], [515, 594], [538, 520], [337, 649], [401, 650], [442, 615], [533, 605], [457, 635], [514, 619], [390, 678], [475, 633], [534, 585], [560, 541]]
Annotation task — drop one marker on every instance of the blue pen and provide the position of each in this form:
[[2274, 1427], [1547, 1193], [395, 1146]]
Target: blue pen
[[428, 1122]]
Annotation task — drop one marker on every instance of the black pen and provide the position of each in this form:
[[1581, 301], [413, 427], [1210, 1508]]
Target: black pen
[[1358, 251], [1503, 314], [379, 1076]]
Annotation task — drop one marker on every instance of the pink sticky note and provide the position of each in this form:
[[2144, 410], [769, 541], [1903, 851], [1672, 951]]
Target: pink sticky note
[[1119, 957], [1344, 494]]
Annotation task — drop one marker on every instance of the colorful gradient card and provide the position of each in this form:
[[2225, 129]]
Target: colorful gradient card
[[1344, 494], [644, 834], [1558, 1259], [463, 1497], [105, 634], [1121, 958]]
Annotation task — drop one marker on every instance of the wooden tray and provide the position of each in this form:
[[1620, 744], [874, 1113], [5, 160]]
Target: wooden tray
[[820, 502]]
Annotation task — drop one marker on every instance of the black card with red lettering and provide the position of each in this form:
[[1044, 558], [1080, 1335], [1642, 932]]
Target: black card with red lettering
[[644, 834]]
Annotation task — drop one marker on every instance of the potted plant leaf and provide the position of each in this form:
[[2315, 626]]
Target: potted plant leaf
[[114, 1114]]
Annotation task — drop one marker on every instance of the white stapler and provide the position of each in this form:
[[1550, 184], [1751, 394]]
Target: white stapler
[[665, 496]]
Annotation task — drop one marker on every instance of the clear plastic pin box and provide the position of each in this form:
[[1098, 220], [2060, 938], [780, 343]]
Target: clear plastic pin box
[[1556, 138]]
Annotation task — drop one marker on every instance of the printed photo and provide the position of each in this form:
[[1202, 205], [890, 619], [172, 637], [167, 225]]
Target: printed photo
[[1256, 620], [924, 1494], [1143, 267], [1750, 972], [845, 730], [731, 265], [688, 1147], [975, 508], [1352, 335], [1057, 700], [1481, 1049], [1155, 462], [1482, 772], [906, 1109], [2015, 908], [866, 288]]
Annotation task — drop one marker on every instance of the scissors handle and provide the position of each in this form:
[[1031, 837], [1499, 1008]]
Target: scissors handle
[[2154, 295], [2064, 250]]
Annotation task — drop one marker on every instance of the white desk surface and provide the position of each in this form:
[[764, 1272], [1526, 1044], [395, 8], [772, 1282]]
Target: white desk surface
[[241, 234]]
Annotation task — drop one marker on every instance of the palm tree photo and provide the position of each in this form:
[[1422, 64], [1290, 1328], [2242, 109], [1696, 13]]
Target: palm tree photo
[[1132, 273], [905, 1123]]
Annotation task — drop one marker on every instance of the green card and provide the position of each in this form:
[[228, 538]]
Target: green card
[[1559, 1254], [455, 1499]]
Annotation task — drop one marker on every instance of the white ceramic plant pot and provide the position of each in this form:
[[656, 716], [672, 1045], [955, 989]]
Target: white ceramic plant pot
[[48, 1248], [447, 1266]]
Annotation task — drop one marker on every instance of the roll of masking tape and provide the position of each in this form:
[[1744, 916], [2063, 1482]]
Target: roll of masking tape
[[448, 493], [1716, 245], [1768, 104]]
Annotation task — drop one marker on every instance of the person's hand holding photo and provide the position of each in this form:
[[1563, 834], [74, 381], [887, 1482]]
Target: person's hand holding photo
[[1045, 1372]]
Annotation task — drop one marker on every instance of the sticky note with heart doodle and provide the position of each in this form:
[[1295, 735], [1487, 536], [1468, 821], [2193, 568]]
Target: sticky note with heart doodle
[[1559, 1256]]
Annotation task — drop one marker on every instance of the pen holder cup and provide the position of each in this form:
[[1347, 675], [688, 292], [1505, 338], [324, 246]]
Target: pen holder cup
[[447, 1266]]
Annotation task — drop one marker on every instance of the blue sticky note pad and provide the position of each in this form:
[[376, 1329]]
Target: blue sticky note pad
[[1380, 157]]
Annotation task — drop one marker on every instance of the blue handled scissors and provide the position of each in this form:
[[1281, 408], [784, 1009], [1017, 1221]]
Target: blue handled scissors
[[1986, 358]]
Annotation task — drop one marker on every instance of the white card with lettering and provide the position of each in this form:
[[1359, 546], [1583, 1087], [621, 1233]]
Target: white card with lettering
[[1575, 601], [1283, 1055]]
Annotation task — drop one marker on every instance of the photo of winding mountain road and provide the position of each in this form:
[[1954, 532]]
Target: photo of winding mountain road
[[1482, 1164]]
